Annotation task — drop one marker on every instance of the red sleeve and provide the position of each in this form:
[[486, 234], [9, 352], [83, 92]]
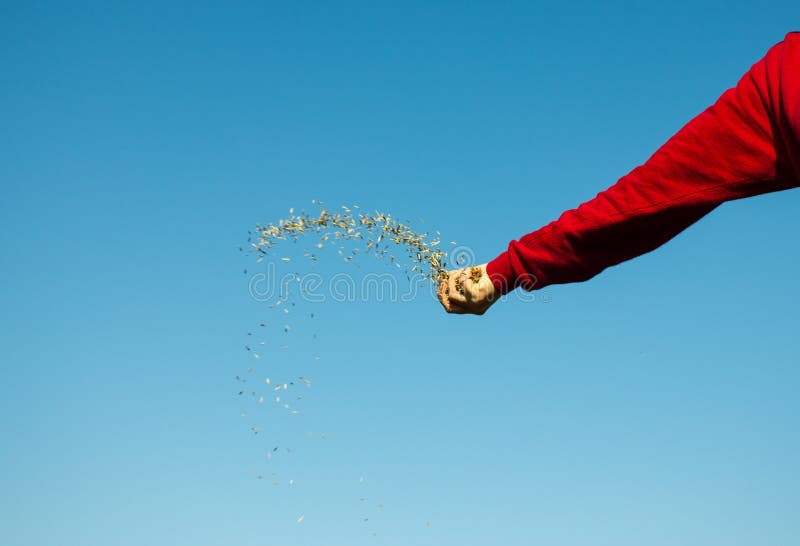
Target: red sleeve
[[746, 144]]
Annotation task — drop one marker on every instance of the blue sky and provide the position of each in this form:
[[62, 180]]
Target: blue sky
[[655, 403]]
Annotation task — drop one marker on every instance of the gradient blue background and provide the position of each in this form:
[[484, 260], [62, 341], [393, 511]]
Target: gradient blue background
[[656, 404]]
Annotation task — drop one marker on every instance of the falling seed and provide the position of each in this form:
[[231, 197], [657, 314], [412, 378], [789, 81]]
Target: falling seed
[[291, 482], [352, 234], [300, 519]]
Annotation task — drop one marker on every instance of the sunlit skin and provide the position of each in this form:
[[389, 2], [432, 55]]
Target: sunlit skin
[[467, 291]]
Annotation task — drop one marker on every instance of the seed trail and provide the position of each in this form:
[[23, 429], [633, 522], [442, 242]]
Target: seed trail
[[372, 229], [352, 235]]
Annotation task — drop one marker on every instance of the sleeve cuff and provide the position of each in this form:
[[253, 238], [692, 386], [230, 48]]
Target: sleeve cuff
[[501, 274]]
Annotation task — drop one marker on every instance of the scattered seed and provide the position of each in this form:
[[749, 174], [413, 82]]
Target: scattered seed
[[376, 234], [346, 226]]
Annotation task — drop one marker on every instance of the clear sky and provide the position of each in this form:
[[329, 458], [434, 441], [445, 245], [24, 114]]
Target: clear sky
[[655, 404]]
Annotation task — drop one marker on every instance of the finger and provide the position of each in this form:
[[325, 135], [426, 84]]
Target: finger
[[470, 289], [455, 292], [456, 309], [442, 295]]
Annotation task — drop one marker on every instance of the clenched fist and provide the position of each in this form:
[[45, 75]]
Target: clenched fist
[[467, 291]]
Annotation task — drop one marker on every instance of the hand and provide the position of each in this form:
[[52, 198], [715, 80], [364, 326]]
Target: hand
[[468, 290]]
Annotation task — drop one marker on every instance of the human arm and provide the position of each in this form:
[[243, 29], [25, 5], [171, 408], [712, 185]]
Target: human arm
[[745, 144]]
